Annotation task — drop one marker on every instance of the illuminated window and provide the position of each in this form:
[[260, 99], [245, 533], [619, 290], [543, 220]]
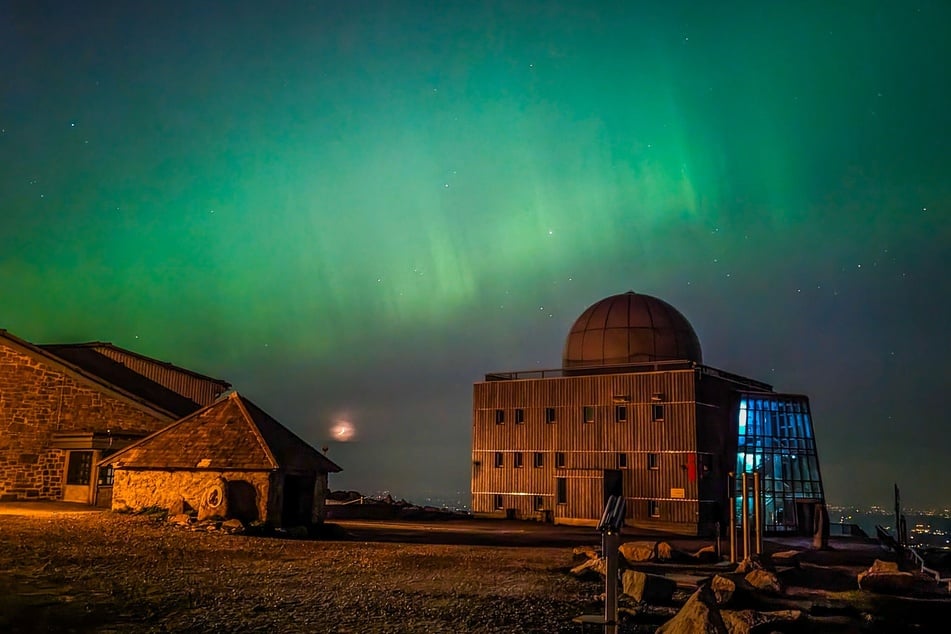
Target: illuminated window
[[499, 416], [519, 416], [620, 460], [559, 460], [539, 460], [106, 476], [653, 461], [499, 502], [79, 469], [518, 459], [657, 412], [653, 508], [588, 414], [549, 414], [562, 490], [498, 460], [620, 413]]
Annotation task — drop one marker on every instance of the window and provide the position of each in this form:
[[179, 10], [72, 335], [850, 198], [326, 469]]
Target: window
[[498, 502], [518, 460], [498, 460], [562, 490], [620, 413], [549, 414], [519, 416], [499, 416], [653, 461], [80, 467], [539, 503], [106, 476], [588, 414], [621, 460], [653, 508], [559, 460], [539, 460], [657, 412]]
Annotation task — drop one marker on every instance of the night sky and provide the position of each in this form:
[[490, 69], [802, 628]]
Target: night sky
[[353, 210]]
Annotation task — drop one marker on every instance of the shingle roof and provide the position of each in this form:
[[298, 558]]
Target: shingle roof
[[230, 434]]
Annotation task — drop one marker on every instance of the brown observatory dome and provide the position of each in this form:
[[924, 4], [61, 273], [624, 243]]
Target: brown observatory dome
[[630, 328]]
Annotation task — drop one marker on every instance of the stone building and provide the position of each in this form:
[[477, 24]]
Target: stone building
[[633, 411], [65, 407], [229, 459]]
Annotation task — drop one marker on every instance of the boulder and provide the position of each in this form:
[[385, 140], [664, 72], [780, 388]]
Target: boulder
[[586, 552], [707, 554], [664, 551], [885, 577], [764, 580], [788, 558], [647, 588], [699, 614], [723, 589], [751, 563], [591, 568], [748, 621], [232, 526], [634, 552]]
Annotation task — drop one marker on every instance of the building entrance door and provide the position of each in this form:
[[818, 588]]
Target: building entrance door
[[613, 484], [77, 487]]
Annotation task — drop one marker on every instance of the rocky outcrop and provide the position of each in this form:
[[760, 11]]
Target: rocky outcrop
[[700, 614], [764, 581], [635, 552], [646, 588], [748, 621], [884, 577], [723, 589]]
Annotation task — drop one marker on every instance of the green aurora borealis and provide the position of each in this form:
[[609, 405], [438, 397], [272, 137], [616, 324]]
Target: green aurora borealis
[[357, 209]]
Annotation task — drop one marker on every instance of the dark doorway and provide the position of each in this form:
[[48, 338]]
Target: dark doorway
[[242, 501], [613, 484], [298, 500]]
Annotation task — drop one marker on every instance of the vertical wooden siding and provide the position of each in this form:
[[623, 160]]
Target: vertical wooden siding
[[589, 448]]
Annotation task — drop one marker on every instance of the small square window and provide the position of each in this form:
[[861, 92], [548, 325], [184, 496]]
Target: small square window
[[519, 416], [549, 414], [539, 460], [499, 416], [499, 461], [518, 459], [620, 413], [562, 490], [559, 460], [539, 503], [657, 412], [653, 461], [621, 460], [588, 414], [106, 476], [498, 502], [653, 508]]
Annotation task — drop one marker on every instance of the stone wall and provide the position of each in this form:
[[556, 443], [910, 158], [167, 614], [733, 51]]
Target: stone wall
[[39, 399], [135, 489]]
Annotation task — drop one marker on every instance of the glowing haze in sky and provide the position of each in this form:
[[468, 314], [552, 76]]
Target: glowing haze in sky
[[353, 210]]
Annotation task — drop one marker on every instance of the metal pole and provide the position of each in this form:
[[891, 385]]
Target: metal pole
[[611, 543], [731, 488], [745, 517], [757, 511]]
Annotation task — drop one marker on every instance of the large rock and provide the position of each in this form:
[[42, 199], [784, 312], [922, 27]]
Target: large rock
[[586, 552], [788, 558], [664, 551], [700, 615], [764, 580], [747, 621], [647, 588], [885, 577], [634, 552], [723, 589], [591, 568], [707, 554]]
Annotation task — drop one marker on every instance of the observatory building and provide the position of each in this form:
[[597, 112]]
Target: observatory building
[[633, 411]]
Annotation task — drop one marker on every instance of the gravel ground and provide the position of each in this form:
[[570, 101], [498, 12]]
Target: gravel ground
[[117, 573]]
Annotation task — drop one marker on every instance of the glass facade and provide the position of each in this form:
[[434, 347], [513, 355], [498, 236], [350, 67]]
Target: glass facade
[[775, 438]]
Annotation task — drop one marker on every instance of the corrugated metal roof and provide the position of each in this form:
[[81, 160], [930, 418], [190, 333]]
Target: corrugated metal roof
[[230, 434]]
